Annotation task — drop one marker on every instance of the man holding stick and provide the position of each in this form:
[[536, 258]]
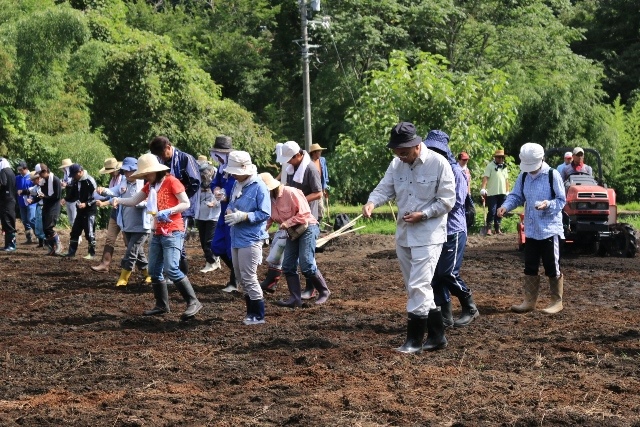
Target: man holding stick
[[423, 185]]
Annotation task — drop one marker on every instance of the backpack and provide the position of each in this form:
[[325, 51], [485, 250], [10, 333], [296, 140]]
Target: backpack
[[553, 192], [469, 211], [340, 221]]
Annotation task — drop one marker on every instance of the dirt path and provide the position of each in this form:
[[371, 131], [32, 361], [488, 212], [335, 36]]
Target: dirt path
[[74, 350]]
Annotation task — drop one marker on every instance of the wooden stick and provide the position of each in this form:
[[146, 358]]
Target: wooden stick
[[321, 242], [393, 214]]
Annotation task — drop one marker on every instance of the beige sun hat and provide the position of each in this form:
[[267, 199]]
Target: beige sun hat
[[33, 175], [269, 180], [110, 165], [65, 164], [239, 163], [148, 163], [315, 147]]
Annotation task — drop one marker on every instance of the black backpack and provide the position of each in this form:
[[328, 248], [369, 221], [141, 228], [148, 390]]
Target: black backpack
[[469, 211], [340, 221]]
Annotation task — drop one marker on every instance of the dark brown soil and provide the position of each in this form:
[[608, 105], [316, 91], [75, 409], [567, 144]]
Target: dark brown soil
[[74, 349]]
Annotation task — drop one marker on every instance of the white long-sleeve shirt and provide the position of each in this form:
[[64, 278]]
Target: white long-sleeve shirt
[[427, 185]]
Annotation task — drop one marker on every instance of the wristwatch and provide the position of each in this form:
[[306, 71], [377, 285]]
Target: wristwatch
[[424, 216]]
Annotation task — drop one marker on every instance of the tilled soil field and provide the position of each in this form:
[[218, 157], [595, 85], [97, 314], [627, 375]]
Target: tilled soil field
[[74, 350]]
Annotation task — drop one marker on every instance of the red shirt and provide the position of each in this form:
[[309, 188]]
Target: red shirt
[[166, 200]]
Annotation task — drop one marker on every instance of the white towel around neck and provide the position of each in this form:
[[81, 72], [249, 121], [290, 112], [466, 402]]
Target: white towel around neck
[[298, 176]]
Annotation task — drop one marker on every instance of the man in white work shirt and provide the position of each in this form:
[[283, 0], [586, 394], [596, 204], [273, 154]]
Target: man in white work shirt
[[423, 185]]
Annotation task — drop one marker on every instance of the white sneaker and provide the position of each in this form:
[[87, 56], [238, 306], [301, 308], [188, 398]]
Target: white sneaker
[[216, 264], [230, 288], [207, 268]]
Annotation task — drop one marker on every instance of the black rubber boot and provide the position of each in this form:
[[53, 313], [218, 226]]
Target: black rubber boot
[[469, 312], [447, 314], [41, 243], [416, 326], [186, 290], [293, 283], [270, 282], [435, 327], [183, 265], [319, 285], [29, 237], [73, 247], [161, 294]]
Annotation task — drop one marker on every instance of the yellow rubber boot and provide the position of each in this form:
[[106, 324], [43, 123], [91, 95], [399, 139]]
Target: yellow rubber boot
[[147, 278], [124, 278]]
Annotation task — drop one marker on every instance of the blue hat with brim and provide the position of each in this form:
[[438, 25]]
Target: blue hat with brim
[[74, 169], [129, 164]]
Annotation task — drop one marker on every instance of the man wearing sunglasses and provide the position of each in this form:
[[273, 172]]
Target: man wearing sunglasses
[[495, 187]]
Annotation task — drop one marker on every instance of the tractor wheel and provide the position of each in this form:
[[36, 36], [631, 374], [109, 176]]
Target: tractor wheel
[[623, 243]]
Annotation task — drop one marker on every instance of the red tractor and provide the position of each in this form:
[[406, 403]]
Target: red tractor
[[590, 216]]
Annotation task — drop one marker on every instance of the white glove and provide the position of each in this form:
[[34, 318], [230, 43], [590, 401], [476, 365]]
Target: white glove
[[542, 204], [236, 217], [483, 192]]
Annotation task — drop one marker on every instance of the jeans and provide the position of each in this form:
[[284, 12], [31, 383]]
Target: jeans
[[28, 217], [135, 251], [39, 229], [303, 249], [447, 278], [164, 254]]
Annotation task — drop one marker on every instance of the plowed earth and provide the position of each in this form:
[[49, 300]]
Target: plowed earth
[[74, 349]]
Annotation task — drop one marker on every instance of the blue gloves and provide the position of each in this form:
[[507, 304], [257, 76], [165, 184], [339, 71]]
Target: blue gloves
[[163, 216]]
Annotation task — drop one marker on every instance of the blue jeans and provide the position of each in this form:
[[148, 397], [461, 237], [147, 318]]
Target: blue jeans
[[164, 254], [493, 203], [28, 217], [39, 230], [447, 280], [302, 249]]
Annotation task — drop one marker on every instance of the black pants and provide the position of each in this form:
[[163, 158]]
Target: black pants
[[493, 203], [206, 229], [8, 216], [85, 221], [548, 250], [50, 215]]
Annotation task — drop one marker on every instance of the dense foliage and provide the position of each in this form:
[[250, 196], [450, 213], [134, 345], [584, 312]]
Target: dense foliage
[[110, 74]]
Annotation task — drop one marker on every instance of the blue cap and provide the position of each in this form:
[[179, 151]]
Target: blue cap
[[129, 164], [74, 169], [438, 140]]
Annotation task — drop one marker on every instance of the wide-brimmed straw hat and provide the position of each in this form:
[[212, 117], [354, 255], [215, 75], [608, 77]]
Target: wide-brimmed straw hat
[[110, 165], [148, 163], [498, 153], [65, 164], [269, 180], [239, 163], [315, 147]]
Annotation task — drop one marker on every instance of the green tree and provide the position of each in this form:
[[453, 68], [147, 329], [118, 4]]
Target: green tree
[[474, 110]]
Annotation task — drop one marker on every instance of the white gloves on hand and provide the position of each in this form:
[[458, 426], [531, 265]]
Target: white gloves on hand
[[483, 192], [235, 217]]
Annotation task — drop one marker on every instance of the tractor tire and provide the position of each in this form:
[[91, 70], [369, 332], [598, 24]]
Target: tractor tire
[[623, 243]]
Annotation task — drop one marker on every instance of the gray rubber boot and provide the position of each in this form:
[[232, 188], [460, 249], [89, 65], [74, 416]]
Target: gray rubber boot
[[556, 286], [161, 294], [186, 290], [293, 283]]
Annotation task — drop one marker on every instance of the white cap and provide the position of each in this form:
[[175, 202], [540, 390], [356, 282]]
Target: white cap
[[288, 150], [531, 157], [578, 150], [568, 155]]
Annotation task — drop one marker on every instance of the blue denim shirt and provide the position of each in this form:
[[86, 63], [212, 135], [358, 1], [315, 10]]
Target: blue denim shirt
[[254, 200], [539, 224]]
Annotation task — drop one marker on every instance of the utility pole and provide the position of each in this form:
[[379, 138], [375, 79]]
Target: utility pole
[[306, 90]]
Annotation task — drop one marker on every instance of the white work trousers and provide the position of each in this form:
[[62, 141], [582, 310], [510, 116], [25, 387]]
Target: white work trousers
[[418, 265]]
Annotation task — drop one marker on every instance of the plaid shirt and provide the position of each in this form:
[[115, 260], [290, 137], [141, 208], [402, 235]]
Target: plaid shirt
[[539, 224]]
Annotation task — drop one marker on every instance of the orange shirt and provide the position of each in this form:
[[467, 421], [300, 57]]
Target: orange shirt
[[166, 200], [290, 208]]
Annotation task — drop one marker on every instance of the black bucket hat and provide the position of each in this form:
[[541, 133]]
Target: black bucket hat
[[222, 144], [404, 135]]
